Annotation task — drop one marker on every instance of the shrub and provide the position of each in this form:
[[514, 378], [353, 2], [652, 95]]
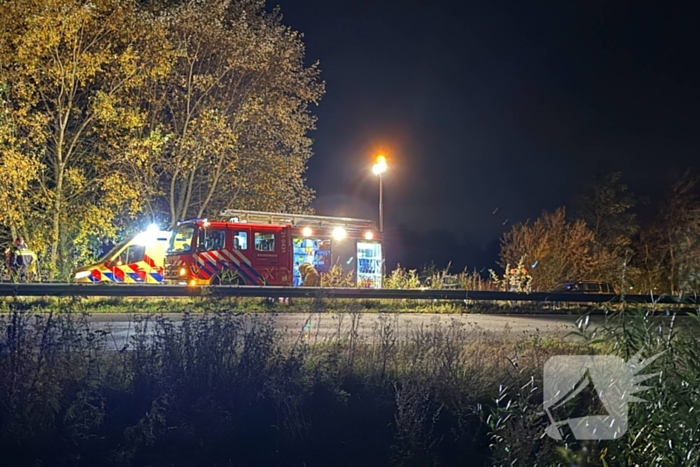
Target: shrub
[[401, 278]]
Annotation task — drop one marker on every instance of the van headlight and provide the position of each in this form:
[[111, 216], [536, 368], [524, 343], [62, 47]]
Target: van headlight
[[82, 275]]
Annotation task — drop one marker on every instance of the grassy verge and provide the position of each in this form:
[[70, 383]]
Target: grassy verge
[[245, 305], [227, 389]]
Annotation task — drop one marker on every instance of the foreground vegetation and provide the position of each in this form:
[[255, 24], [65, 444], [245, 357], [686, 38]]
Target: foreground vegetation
[[228, 389]]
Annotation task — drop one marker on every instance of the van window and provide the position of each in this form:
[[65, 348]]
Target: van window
[[240, 240], [264, 241], [133, 254], [592, 288], [112, 251], [136, 254], [214, 240]]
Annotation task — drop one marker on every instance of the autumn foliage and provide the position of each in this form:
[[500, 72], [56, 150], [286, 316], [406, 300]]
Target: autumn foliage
[[604, 242], [554, 248], [113, 112]]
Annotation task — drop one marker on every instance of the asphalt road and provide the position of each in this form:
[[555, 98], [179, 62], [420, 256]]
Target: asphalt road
[[321, 326]]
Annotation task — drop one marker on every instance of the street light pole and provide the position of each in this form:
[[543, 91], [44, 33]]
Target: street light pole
[[381, 205], [379, 168]]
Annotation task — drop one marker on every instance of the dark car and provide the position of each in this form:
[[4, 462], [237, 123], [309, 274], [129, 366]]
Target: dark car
[[585, 287]]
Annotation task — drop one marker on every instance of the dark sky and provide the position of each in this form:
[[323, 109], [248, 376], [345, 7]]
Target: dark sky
[[508, 104]]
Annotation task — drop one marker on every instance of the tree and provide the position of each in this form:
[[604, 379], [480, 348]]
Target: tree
[[671, 246], [19, 170], [112, 110], [555, 250], [68, 68], [234, 112], [608, 212]]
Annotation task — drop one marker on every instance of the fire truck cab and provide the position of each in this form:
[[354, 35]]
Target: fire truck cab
[[261, 248]]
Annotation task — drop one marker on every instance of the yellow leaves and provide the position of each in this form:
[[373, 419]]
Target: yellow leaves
[[561, 250], [103, 107], [57, 44], [143, 152], [20, 173], [113, 115], [93, 221], [75, 180], [128, 61], [117, 191], [236, 103]]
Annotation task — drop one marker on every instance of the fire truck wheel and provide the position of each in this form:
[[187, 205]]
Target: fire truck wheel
[[227, 280]]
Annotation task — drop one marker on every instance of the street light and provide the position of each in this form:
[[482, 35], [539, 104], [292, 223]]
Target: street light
[[379, 168]]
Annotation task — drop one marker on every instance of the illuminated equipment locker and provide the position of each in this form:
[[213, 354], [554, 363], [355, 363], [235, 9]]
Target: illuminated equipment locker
[[369, 265]]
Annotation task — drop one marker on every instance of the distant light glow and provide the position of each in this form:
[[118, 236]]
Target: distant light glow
[[306, 231], [153, 228], [369, 235], [339, 233]]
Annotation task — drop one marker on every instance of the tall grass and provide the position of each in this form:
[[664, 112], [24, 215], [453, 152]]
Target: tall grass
[[665, 431], [224, 389], [436, 278], [232, 389]]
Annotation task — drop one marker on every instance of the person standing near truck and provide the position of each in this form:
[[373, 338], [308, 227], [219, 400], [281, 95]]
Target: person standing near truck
[[309, 275], [21, 260]]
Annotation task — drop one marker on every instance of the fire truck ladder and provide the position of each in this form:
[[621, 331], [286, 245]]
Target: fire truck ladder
[[300, 220]]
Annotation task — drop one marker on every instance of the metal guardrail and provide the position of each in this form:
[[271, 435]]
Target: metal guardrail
[[223, 291]]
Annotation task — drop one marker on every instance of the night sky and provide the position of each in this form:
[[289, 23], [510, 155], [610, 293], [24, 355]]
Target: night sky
[[482, 105]]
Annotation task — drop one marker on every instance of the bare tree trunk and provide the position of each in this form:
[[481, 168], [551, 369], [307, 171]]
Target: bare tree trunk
[[212, 188], [672, 265], [188, 195], [56, 227]]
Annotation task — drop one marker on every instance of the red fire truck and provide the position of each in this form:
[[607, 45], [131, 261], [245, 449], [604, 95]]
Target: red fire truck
[[262, 248]]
